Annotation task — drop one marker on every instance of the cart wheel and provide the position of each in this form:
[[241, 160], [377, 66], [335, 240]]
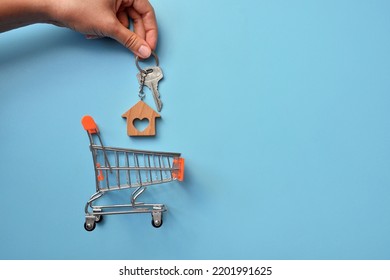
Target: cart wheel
[[157, 221], [89, 227], [99, 218]]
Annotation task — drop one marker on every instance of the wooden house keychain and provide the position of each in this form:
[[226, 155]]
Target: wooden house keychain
[[149, 77]]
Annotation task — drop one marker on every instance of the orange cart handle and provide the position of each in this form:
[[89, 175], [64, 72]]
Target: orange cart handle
[[89, 124]]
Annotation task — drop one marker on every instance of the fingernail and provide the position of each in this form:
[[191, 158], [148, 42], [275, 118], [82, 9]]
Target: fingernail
[[144, 51]]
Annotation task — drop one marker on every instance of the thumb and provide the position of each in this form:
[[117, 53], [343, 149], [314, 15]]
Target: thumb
[[132, 41]]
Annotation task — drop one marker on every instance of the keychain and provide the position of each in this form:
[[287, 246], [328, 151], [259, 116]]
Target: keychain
[[149, 77]]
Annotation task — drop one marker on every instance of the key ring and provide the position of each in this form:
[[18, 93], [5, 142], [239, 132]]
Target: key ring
[[137, 59]]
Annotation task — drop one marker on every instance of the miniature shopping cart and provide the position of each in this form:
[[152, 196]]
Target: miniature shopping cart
[[118, 169]]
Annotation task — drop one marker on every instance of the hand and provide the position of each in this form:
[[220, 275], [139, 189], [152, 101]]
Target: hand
[[107, 18], [110, 18]]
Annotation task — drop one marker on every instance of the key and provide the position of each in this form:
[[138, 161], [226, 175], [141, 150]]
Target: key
[[141, 80], [154, 75]]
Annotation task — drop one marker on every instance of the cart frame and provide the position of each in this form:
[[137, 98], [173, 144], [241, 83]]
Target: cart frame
[[129, 169]]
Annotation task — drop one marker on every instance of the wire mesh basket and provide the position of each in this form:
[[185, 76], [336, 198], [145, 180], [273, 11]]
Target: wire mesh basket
[[120, 169]]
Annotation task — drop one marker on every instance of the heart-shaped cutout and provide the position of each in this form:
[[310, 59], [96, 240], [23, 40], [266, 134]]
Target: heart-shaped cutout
[[141, 124]]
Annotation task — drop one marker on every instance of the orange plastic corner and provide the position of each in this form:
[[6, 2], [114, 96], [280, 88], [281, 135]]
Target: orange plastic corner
[[178, 173], [89, 124]]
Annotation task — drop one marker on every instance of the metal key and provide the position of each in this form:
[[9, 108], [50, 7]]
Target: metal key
[[154, 75]]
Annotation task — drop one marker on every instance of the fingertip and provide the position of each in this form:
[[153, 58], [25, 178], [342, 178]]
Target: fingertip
[[144, 51]]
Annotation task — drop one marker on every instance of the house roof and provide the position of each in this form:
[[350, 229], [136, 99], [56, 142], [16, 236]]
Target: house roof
[[140, 110]]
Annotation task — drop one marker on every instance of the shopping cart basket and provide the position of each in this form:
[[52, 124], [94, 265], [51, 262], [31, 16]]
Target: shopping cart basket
[[119, 169]]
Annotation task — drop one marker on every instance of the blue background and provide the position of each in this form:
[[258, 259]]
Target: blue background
[[281, 109]]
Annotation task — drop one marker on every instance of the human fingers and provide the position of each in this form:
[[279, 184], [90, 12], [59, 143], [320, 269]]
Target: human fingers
[[130, 40], [145, 10], [138, 23]]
